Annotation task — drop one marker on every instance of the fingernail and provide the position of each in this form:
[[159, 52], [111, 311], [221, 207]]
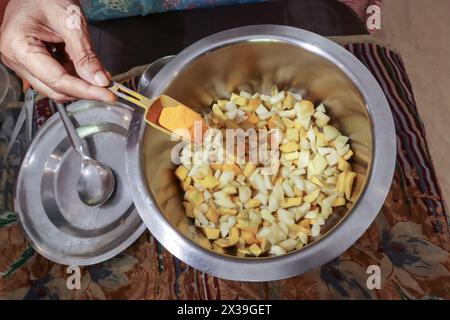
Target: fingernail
[[101, 79]]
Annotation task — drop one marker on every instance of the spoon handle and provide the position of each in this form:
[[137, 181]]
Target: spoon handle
[[161, 111], [77, 142]]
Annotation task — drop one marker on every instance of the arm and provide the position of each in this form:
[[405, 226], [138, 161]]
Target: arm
[[28, 26]]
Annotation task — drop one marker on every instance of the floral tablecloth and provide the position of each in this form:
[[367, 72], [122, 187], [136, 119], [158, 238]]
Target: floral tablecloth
[[409, 240]]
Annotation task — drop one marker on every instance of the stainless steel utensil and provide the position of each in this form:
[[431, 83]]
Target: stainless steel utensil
[[254, 58], [25, 118], [97, 181], [55, 221]]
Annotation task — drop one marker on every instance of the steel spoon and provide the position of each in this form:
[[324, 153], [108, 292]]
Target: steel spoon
[[96, 183]]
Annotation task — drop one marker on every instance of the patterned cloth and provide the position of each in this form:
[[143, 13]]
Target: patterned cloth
[[409, 240], [109, 9]]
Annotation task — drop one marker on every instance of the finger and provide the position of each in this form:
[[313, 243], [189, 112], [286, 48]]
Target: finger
[[81, 52], [36, 83], [45, 90], [37, 61]]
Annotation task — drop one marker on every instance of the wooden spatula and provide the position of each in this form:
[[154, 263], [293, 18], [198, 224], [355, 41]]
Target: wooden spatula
[[165, 114]]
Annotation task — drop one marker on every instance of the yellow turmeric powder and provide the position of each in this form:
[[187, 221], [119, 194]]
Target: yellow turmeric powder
[[181, 117]]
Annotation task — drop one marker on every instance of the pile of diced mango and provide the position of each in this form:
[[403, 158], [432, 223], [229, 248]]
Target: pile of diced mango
[[260, 212]]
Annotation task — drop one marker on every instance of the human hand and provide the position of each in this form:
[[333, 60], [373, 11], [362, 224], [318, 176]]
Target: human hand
[[28, 26]]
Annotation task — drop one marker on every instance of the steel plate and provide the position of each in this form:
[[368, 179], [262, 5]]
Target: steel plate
[[57, 223]]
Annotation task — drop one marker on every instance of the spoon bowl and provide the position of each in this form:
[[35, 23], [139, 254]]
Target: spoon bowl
[[96, 183]]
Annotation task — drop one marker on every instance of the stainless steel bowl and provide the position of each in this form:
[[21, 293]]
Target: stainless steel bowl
[[253, 58]]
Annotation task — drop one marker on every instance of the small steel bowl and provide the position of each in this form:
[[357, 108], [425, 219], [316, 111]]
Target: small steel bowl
[[254, 58]]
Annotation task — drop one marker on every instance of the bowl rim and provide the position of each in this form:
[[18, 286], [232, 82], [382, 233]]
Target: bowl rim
[[338, 239]]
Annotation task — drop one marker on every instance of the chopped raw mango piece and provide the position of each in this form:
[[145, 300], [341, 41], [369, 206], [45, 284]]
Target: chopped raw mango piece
[[291, 202], [181, 173], [211, 233], [195, 197], [209, 182], [249, 169], [312, 196], [339, 202], [348, 184], [188, 209], [255, 250], [240, 101], [289, 147]]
